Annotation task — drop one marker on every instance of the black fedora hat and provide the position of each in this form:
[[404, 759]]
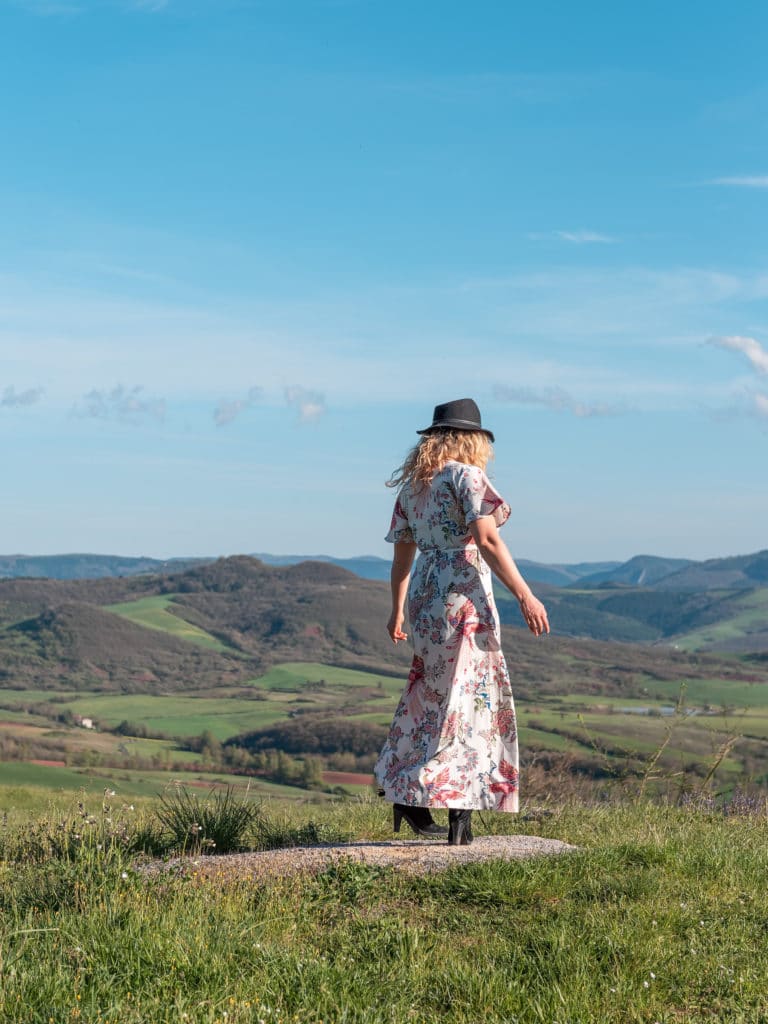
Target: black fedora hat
[[463, 414]]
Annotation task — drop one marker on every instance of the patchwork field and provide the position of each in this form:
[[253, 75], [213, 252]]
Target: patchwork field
[[604, 734], [153, 613], [210, 674]]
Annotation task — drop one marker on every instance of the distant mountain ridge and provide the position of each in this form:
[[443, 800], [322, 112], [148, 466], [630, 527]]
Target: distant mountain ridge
[[368, 567], [231, 619], [648, 571], [639, 571], [87, 566]]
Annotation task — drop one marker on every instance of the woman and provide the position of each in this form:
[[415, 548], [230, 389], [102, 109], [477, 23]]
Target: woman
[[453, 740]]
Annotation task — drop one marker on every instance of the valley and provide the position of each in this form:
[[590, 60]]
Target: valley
[[282, 676]]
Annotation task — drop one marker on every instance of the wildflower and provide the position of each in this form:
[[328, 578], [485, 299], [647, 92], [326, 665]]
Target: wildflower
[[652, 974], [646, 984], [123, 874]]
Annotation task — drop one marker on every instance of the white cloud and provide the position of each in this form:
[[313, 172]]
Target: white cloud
[[743, 181], [49, 8], [125, 404], [64, 8], [576, 237], [749, 347], [557, 399], [310, 404], [11, 398], [760, 405], [228, 409]]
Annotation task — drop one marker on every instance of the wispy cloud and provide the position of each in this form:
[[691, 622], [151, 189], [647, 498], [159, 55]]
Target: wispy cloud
[[228, 409], [309, 404], [125, 404], [11, 398], [742, 181], [149, 5], [557, 399], [576, 237], [50, 8], [748, 347], [64, 8], [753, 403]]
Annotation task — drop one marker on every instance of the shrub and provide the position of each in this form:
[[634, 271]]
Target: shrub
[[220, 823]]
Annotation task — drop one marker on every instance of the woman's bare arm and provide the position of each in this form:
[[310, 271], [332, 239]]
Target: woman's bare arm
[[496, 553], [402, 560]]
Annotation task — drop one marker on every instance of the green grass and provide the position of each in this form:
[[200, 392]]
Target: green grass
[[291, 674], [660, 916], [554, 721], [751, 617], [153, 613], [717, 692], [225, 714], [179, 715], [54, 783]]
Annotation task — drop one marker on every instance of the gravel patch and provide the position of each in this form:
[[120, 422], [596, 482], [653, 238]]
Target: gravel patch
[[412, 856]]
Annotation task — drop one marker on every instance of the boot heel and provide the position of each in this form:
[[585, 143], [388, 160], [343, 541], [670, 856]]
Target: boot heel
[[460, 827], [419, 819]]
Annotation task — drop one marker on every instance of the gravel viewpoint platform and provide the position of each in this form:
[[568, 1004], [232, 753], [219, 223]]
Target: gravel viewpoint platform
[[415, 856]]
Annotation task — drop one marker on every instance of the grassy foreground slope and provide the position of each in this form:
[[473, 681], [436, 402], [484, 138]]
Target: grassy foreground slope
[[660, 916]]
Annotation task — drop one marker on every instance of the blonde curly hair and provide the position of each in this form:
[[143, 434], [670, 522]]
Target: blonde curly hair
[[472, 447]]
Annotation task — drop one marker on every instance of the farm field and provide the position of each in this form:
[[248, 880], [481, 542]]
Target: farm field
[[608, 729], [749, 618], [284, 689], [602, 710], [18, 779], [153, 613]]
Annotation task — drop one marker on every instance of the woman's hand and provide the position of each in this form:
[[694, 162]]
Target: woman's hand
[[493, 549], [402, 560], [534, 613], [395, 627]]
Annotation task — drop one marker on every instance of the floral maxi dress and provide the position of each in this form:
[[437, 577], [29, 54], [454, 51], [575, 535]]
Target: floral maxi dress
[[453, 740]]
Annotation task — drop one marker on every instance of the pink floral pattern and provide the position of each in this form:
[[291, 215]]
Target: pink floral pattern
[[453, 741]]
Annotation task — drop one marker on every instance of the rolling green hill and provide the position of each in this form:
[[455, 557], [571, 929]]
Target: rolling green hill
[[297, 658]]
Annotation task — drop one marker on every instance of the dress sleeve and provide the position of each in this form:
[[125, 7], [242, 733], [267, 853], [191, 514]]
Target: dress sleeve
[[478, 497], [399, 528]]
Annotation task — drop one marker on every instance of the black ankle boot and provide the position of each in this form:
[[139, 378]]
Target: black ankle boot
[[459, 827], [419, 819]]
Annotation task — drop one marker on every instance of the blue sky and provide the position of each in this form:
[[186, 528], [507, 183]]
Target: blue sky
[[245, 248]]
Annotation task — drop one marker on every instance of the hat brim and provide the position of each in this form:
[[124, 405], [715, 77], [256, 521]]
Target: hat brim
[[454, 425]]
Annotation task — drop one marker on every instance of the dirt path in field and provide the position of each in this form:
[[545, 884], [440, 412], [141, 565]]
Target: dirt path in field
[[347, 778], [414, 857]]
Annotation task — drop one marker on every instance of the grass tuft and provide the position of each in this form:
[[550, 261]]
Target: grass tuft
[[219, 823]]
